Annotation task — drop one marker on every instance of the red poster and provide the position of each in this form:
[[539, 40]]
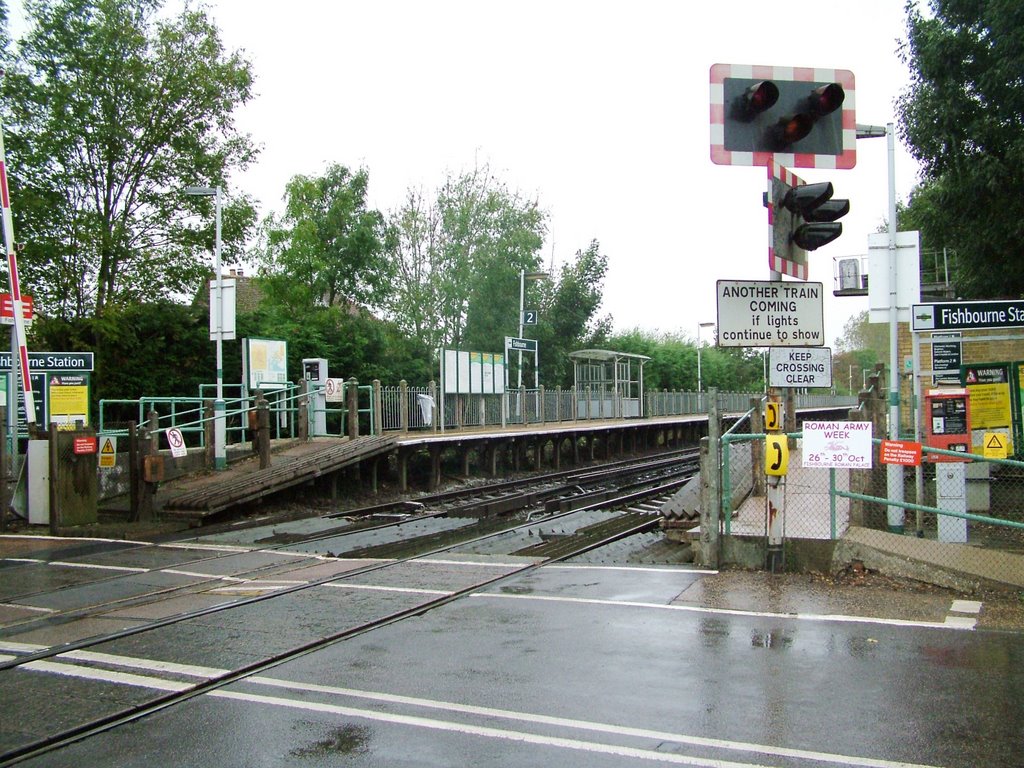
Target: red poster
[[84, 445], [903, 452]]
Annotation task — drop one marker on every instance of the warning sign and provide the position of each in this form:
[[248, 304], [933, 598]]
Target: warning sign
[[108, 451], [334, 390], [903, 452], [177, 442], [995, 445]]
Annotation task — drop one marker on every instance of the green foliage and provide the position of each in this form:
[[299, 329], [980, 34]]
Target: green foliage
[[326, 248], [862, 345], [154, 349], [354, 344], [860, 334], [457, 260], [962, 120], [112, 109], [673, 364], [567, 322]]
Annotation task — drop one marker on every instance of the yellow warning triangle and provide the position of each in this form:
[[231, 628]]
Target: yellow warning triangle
[[108, 446], [995, 442]]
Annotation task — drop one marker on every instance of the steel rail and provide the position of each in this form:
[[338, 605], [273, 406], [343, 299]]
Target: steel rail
[[103, 724]]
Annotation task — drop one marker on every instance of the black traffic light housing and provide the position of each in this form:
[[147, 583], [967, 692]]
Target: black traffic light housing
[[803, 217]]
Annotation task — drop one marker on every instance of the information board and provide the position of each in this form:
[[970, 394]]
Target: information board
[[989, 388], [837, 444], [947, 356], [770, 314]]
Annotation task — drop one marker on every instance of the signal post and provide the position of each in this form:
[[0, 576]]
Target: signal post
[[782, 118]]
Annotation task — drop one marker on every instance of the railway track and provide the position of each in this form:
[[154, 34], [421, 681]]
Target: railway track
[[552, 534]]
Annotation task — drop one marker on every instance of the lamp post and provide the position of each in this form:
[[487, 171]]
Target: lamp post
[[523, 277], [700, 386], [220, 460]]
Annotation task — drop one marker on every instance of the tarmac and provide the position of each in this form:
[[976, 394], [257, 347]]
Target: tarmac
[[892, 562]]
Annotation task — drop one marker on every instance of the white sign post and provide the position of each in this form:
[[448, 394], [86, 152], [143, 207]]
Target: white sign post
[[760, 313], [837, 444]]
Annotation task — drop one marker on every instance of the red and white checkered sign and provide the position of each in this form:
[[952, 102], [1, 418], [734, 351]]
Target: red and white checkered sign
[[777, 262], [722, 156]]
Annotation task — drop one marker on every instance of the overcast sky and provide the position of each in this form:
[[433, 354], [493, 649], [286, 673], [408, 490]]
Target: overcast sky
[[597, 109]]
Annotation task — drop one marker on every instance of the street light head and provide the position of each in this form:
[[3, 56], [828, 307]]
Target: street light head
[[200, 191], [707, 325]]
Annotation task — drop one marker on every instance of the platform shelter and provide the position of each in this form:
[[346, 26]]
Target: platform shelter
[[609, 384]]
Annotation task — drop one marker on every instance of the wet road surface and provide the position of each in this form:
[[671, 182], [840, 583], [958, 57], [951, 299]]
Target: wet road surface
[[572, 665]]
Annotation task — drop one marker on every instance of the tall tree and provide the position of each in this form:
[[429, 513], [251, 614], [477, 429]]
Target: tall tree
[[963, 120], [327, 247], [457, 261], [568, 314], [112, 110]]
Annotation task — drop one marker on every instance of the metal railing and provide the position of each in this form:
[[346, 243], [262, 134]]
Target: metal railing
[[403, 408]]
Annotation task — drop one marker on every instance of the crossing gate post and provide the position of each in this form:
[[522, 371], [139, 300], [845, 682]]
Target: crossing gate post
[[711, 485]]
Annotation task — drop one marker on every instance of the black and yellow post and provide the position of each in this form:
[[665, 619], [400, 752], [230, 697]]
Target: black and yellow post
[[776, 462]]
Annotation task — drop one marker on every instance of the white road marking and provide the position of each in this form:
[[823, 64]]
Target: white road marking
[[122, 678], [17, 536], [96, 566], [205, 547], [344, 585], [489, 732], [28, 608], [730, 611], [639, 569], [966, 606]]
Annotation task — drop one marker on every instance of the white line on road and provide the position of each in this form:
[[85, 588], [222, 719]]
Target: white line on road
[[136, 680], [736, 612]]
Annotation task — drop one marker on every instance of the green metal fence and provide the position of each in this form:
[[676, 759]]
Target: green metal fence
[[976, 506]]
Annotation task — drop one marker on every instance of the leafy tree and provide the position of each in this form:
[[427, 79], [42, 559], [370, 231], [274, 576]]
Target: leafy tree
[[568, 320], [161, 348], [457, 261], [112, 110], [860, 333], [354, 344], [862, 345], [327, 247], [673, 364], [963, 119]]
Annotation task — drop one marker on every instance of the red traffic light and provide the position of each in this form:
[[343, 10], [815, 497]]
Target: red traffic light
[[790, 129], [758, 98], [804, 114], [826, 99]]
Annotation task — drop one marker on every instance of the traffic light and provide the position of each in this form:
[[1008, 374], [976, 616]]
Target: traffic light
[[805, 116], [801, 217]]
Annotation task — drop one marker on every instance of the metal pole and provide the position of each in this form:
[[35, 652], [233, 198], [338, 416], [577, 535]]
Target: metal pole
[[522, 306], [894, 474], [220, 460], [698, 359]]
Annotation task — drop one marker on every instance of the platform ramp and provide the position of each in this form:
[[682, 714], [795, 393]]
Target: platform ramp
[[233, 488]]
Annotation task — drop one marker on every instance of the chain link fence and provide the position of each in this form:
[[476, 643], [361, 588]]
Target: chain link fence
[[963, 516]]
